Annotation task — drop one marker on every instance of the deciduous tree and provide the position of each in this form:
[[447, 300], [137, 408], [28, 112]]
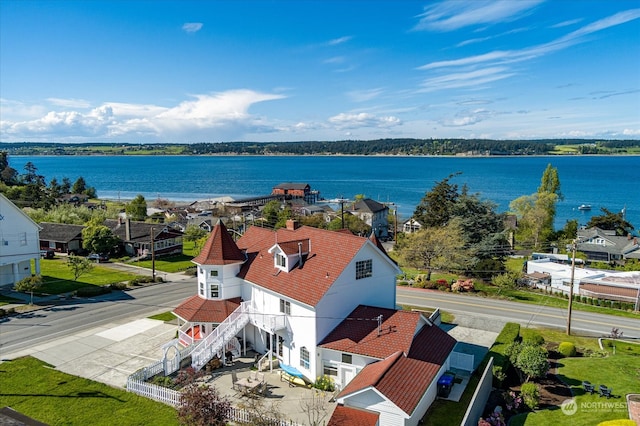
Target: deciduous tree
[[202, 405], [98, 238], [137, 208], [78, 265]]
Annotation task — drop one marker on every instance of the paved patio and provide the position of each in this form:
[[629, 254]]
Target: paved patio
[[290, 400]]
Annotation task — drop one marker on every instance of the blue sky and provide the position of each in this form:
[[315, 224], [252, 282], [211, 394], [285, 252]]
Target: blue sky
[[216, 71]]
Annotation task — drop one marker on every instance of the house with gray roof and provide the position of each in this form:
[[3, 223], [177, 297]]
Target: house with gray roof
[[61, 237], [605, 246], [374, 214]]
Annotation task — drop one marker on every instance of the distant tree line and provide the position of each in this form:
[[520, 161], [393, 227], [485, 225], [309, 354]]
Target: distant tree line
[[397, 146]]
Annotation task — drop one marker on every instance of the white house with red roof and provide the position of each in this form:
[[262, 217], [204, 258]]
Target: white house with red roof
[[322, 302]]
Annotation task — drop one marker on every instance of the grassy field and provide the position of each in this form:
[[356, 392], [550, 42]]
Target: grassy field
[[58, 278], [177, 263], [619, 371], [31, 387]]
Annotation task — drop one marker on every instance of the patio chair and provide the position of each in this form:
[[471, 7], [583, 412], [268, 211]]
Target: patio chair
[[588, 387], [605, 391]]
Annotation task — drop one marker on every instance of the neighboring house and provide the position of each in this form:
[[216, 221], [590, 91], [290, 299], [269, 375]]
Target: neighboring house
[[19, 243], [75, 199], [291, 190], [136, 237], [411, 225], [61, 237], [321, 302], [373, 214], [605, 246]]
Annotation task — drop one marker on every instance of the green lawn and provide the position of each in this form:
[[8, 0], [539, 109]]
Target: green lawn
[[31, 387], [620, 372], [164, 316], [58, 278], [177, 263]]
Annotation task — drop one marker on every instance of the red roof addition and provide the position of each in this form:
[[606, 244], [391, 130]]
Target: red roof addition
[[197, 309], [349, 416]]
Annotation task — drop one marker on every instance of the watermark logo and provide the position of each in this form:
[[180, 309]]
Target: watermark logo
[[569, 407]]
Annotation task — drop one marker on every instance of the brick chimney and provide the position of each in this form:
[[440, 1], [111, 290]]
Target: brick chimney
[[292, 224]]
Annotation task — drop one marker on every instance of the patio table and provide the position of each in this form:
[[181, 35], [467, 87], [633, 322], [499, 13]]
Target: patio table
[[247, 385]]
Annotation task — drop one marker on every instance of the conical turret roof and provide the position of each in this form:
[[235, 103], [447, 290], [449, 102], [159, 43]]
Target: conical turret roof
[[220, 249]]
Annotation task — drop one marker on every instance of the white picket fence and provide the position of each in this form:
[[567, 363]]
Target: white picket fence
[[172, 397]]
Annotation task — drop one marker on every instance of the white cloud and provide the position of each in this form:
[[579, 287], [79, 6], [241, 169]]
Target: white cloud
[[465, 79], [227, 112], [192, 27], [69, 103], [339, 40], [566, 23], [353, 121], [452, 15], [466, 118]]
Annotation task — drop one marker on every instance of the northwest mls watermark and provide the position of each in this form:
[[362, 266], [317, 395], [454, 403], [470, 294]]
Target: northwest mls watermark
[[570, 407]]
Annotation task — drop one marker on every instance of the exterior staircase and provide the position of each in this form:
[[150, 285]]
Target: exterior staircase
[[215, 342]]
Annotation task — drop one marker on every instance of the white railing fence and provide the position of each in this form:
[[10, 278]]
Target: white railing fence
[[172, 397]]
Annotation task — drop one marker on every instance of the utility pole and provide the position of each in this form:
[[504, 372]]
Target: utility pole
[[342, 201], [153, 256], [573, 269]]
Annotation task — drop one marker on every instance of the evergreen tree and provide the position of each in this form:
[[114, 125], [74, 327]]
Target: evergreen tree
[[137, 208]]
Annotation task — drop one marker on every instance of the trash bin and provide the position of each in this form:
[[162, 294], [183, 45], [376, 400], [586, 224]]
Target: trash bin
[[445, 383]]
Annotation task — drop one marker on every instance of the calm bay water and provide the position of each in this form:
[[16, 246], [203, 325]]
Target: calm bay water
[[603, 181]]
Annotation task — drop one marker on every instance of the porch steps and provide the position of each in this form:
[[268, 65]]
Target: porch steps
[[215, 342]]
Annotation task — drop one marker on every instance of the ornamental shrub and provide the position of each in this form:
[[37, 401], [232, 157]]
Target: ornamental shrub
[[532, 337], [530, 395], [567, 349], [325, 383]]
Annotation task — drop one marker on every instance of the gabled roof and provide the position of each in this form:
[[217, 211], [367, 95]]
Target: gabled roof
[[10, 204], [369, 205], [432, 344], [358, 333], [350, 416], [60, 232], [330, 253], [220, 249], [197, 309], [400, 379], [378, 244], [140, 231]]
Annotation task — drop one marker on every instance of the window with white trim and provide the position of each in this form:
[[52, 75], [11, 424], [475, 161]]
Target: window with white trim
[[364, 269], [347, 358], [215, 291], [281, 261], [330, 370], [23, 239], [285, 307], [213, 273], [304, 357], [201, 289]]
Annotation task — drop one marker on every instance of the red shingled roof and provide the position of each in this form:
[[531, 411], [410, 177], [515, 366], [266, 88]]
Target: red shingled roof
[[220, 249], [329, 254], [349, 416], [197, 309], [358, 333], [401, 380], [432, 344]]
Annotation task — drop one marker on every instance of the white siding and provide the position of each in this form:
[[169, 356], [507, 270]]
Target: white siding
[[369, 399], [19, 243], [300, 330], [347, 292]]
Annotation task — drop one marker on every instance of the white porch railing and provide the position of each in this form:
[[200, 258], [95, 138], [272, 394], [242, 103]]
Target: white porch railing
[[218, 338]]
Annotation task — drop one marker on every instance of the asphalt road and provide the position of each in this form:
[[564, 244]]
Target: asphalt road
[[526, 314], [66, 317], [72, 316]]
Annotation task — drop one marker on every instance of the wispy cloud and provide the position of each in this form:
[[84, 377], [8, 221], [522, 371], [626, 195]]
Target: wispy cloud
[[467, 118], [364, 95], [69, 103], [192, 27], [465, 79], [339, 40], [334, 60], [452, 15], [567, 23], [496, 61], [353, 121]]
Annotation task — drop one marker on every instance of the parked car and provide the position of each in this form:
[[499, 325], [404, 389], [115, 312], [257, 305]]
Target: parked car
[[47, 254], [98, 257]]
